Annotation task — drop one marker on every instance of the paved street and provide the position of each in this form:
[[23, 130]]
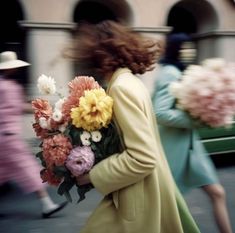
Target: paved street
[[22, 213]]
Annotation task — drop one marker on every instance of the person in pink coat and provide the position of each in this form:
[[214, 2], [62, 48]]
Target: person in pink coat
[[16, 161]]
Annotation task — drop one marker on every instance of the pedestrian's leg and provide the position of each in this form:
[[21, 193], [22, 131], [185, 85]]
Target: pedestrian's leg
[[217, 195], [48, 206], [25, 171], [47, 203]]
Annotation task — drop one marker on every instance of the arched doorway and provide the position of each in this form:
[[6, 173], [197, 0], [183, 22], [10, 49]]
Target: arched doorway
[[95, 11], [196, 18], [12, 35], [192, 17]]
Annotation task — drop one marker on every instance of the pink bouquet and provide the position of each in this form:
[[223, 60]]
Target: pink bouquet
[[76, 132], [207, 92]]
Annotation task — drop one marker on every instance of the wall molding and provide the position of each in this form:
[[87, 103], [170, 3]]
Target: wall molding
[[163, 29], [47, 25], [215, 33]]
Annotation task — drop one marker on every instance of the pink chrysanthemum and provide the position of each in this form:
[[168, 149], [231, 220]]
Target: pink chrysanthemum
[[77, 87], [56, 125], [56, 150], [71, 102], [40, 132], [81, 83], [80, 160], [42, 108], [49, 177]]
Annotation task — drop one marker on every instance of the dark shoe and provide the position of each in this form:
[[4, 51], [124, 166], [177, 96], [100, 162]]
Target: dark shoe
[[5, 189], [60, 207]]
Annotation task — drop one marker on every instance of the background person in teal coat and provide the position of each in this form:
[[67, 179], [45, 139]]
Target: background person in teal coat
[[190, 165]]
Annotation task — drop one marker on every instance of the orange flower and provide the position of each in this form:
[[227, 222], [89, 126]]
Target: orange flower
[[81, 83], [56, 150], [71, 102], [55, 125], [42, 108], [49, 177], [40, 132], [77, 87]]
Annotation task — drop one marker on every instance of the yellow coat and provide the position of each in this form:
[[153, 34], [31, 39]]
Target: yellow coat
[[140, 194]]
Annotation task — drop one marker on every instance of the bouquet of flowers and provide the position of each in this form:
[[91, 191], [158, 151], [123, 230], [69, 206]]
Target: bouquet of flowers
[[207, 92], [76, 132]]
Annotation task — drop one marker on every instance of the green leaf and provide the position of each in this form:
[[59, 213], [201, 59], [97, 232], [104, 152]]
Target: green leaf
[[44, 164], [40, 145], [68, 196], [65, 187], [39, 155], [67, 131], [61, 171], [93, 146], [82, 190], [75, 136]]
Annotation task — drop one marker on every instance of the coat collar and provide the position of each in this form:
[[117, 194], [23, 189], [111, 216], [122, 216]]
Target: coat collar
[[115, 75]]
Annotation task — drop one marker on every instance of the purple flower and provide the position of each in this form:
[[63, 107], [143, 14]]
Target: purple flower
[[80, 160]]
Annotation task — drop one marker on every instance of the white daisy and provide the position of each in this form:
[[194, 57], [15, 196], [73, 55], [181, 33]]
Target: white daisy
[[46, 85], [62, 128], [59, 103], [44, 124], [85, 138], [57, 115], [96, 136]]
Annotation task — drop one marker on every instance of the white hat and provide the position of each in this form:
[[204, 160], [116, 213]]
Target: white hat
[[8, 60]]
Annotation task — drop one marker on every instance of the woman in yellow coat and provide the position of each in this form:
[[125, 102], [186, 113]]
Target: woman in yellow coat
[[139, 192]]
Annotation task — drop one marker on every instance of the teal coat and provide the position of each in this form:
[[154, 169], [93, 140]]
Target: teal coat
[[190, 165]]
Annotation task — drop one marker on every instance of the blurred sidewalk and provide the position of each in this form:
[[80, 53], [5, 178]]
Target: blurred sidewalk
[[22, 213]]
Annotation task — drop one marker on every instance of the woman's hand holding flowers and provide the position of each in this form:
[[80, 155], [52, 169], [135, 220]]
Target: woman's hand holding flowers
[[83, 179]]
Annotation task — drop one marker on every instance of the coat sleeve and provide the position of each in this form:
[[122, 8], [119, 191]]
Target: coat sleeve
[[163, 104], [139, 158]]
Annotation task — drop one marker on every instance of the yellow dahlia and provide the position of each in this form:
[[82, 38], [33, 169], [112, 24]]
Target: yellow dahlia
[[94, 111], [77, 87]]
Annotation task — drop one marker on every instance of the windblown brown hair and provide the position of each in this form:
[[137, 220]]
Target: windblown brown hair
[[109, 45]]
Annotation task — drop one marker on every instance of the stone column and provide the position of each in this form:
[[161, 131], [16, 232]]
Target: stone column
[[45, 43], [217, 43]]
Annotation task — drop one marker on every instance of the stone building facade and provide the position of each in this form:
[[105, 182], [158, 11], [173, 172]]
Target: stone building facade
[[39, 29]]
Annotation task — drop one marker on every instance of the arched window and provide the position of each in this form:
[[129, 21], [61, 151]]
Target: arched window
[[12, 35], [93, 12], [192, 17], [177, 18], [97, 10]]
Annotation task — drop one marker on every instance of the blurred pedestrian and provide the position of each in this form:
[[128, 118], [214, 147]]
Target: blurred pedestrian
[[190, 165], [139, 192], [16, 161]]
